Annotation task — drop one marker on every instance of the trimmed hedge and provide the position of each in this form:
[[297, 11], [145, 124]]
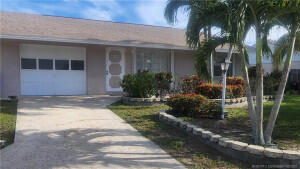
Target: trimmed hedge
[[193, 84], [194, 105], [214, 91]]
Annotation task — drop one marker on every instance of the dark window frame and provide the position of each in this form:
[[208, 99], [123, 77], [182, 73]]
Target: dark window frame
[[59, 60], [81, 67], [46, 68], [26, 67]]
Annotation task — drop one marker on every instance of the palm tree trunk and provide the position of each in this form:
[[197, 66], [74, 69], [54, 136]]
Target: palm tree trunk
[[249, 95], [211, 61], [259, 88], [280, 91], [229, 54]]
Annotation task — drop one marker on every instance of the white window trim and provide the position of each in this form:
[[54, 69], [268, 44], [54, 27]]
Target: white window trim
[[170, 60]]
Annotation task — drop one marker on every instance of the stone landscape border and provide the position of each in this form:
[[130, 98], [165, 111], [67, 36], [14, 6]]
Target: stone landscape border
[[242, 99], [251, 154], [158, 101], [143, 101]]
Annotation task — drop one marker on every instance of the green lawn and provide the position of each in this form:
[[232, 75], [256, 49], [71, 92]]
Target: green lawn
[[184, 148], [8, 111], [287, 128]]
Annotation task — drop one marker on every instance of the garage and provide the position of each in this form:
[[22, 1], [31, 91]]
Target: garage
[[52, 70]]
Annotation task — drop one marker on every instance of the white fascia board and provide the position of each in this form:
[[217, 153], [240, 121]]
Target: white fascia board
[[95, 42]]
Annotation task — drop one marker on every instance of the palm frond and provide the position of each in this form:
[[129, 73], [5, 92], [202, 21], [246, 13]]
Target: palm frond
[[281, 50], [203, 53], [172, 8]]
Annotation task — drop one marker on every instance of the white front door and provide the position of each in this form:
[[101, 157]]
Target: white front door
[[115, 68]]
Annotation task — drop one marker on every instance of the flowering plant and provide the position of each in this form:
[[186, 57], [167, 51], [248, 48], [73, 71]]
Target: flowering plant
[[193, 105]]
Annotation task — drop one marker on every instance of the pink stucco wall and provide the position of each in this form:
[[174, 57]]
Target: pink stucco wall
[[10, 65], [183, 63], [95, 66]]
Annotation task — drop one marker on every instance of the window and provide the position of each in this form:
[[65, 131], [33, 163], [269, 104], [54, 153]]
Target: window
[[45, 64], [77, 65], [217, 70], [28, 63], [62, 64], [153, 60]]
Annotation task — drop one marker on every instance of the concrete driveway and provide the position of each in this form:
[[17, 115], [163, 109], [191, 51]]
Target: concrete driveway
[[78, 132]]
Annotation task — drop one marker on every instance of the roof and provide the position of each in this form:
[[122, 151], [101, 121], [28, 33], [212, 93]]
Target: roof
[[53, 28]]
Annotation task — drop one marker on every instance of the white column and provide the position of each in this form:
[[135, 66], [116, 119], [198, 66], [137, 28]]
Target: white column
[[233, 65], [172, 67], [134, 60], [211, 66], [172, 63], [223, 94]]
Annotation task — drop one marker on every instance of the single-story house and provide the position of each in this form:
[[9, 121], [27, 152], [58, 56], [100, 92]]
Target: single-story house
[[50, 55], [294, 75]]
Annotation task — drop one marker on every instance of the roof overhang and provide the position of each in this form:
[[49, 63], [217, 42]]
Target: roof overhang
[[95, 42], [102, 42]]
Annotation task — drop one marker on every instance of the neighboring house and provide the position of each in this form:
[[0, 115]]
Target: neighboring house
[[48, 55], [267, 62]]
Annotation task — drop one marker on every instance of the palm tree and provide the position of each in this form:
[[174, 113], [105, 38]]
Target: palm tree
[[235, 18], [171, 16], [227, 15], [292, 23]]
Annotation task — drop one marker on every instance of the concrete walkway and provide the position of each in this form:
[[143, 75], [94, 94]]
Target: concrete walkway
[[78, 132]]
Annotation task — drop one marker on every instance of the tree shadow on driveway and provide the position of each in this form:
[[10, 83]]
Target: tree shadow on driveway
[[85, 148]]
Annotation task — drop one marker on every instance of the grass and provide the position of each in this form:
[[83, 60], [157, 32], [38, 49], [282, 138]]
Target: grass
[[287, 128], [8, 112], [181, 146]]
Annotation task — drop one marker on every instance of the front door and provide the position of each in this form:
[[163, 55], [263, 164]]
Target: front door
[[115, 69]]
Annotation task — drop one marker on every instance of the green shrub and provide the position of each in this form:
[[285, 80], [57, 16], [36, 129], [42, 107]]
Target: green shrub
[[293, 88], [194, 105], [271, 82], [139, 85], [163, 81]]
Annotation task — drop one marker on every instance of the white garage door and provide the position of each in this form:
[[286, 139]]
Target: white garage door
[[52, 70]]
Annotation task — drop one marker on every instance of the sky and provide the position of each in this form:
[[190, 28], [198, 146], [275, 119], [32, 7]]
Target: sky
[[148, 12]]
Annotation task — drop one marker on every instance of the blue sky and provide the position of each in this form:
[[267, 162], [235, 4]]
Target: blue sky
[[149, 12]]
